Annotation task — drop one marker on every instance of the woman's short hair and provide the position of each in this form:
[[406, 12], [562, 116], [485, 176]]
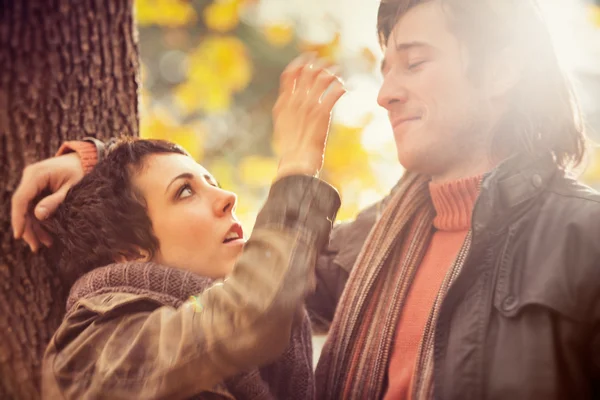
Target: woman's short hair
[[103, 217]]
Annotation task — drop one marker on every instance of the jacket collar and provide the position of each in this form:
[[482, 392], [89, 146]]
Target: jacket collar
[[507, 190]]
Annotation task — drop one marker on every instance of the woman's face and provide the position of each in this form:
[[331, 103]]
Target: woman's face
[[192, 218]]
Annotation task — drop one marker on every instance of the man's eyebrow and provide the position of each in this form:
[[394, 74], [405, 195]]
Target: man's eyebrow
[[185, 175], [410, 45]]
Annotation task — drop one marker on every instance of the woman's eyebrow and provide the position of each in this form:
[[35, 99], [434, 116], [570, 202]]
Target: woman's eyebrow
[[210, 178], [185, 175]]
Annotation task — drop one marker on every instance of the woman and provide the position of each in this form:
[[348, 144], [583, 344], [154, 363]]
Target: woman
[[145, 235]]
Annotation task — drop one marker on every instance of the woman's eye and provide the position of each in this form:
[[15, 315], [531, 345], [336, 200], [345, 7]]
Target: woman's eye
[[185, 191]]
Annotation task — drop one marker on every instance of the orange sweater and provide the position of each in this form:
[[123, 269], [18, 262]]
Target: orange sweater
[[453, 202]]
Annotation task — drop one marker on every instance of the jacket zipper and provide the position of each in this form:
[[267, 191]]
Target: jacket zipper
[[443, 318]]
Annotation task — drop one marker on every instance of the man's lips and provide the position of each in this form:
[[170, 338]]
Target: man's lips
[[397, 121]]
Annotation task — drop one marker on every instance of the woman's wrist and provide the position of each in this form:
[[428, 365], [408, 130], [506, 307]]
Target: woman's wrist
[[304, 166]]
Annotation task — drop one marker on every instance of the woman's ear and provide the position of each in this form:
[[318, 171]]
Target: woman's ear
[[141, 255], [144, 256]]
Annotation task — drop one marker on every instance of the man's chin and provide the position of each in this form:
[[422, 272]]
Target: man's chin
[[412, 160]]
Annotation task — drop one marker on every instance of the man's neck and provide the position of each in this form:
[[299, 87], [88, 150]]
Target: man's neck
[[465, 170]]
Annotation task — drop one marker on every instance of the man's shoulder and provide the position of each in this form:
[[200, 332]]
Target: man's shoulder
[[571, 201], [556, 249], [569, 188], [567, 226]]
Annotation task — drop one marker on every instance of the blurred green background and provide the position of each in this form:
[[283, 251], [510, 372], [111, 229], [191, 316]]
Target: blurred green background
[[210, 78]]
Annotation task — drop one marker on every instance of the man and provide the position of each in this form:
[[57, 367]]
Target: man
[[477, 276]]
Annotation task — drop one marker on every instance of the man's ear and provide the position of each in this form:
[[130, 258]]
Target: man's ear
[[503, 72]]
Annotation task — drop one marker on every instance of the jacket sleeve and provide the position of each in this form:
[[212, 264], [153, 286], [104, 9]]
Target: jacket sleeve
[[156, 352], [90, 151], [335, 262]]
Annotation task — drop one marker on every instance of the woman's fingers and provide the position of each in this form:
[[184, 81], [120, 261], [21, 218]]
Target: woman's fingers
[[323, 82], [308, 75], [333, 94], [29, 235], [291, 72], [41, 234], [48, 205]]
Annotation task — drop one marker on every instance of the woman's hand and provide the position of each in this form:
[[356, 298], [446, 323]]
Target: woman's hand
[[302, 114], [58, 175]]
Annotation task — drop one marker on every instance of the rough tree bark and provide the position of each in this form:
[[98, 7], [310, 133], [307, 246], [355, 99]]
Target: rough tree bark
[[68, 69]]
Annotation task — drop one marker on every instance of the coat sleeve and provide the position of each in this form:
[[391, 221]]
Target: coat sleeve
[[335, 262], [119, 347]]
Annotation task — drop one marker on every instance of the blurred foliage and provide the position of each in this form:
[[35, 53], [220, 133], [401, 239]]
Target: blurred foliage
[[595, 14], [210, 77], [210, 72]]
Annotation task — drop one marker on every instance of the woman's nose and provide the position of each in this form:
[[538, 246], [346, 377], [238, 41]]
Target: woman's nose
[[225, 202]]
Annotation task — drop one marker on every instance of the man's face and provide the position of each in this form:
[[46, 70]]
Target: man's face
[[437, 114]]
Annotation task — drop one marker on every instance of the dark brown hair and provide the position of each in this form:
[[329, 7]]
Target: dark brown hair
[[103, 217], [543, 116]]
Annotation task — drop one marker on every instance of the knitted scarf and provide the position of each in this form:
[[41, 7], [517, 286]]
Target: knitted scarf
[[354, 360], [291, 377]]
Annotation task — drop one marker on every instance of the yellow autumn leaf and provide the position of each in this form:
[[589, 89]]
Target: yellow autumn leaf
[[187, 96], [170, 13], [222, 15], [228, 59], [218, 67], [155, 125], [347, 211], [346, 160], [257, 171], [345, 147], [328, 51], [201, 71], [188, 138], [145, 99], [594, 12], [370, 57], [247, 206], [224, 172], [208, 96], [216, 98], [591, 174], [160, 125], [279, 35]]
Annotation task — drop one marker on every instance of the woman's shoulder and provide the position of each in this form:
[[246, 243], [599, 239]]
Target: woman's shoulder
[[109, 307], [113, 302], [96, 338]]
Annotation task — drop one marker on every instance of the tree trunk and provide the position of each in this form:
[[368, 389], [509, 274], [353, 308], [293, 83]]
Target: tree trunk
[[69, 69]]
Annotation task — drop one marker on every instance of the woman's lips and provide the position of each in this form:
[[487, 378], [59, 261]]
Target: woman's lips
[[236, 242], [235, 235]]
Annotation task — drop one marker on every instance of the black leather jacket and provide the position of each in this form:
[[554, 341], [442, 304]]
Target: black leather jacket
[[522, 319]]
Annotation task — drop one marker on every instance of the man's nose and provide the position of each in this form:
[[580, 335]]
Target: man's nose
[[392, 91]]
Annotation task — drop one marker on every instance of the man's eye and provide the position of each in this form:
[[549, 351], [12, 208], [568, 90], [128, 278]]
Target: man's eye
[[415, 65], [185, 191]]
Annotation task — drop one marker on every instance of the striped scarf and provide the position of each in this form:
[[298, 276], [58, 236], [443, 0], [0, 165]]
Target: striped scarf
[[355, 358]]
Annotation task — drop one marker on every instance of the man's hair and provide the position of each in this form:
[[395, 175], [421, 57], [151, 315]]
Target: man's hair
[[543, 116], [103, 218]]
